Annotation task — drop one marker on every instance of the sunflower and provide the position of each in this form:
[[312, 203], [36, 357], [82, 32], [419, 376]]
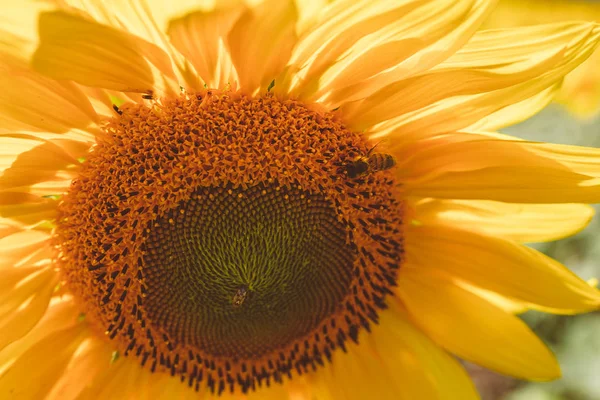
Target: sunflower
[[580, 92], [283, 200]]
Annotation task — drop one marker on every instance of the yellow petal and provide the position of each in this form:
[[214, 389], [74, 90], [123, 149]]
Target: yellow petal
[[511, 306], [515, 113], [47, 161], [199, 36], [469, 166], [91, 360], [60, 314], [26, 208], [23, 248], [473, 328], [145, 20], [30, 101], [9, 227], [395, 361], [386, 58], [43, 364], [580, 92], [261, 41], [501, 266], [476, 101], [126, 379], [376, 43], [525, 223], [75, 48], [24, 297]]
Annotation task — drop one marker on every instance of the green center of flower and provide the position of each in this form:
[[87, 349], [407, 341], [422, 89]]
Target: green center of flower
[[241, 273]]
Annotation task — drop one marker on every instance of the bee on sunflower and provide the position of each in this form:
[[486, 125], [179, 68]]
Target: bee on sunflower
[[179, 221]]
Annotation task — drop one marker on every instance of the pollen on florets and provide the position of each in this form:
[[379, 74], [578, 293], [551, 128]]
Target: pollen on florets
[[218, 237]]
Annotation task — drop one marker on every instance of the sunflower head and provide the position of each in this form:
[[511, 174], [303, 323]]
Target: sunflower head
[[282, 200]]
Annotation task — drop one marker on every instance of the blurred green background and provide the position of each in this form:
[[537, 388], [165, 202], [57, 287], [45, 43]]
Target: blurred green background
[[574, 339]]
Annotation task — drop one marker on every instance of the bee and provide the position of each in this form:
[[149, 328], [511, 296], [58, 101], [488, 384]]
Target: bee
[[371, 162], [241, 294]]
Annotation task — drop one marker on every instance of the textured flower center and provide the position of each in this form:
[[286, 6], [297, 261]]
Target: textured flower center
[[230, 240], [241, 273]]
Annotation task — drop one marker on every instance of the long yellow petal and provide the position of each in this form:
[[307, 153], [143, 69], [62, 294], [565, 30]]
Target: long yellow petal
[[422, 34], [260, 57], [45, 161], [26, 208], [79, 49], [376, 43], [200, 36], [472, 328], [30, 101], [24, 297], [398, 361], [580, 92], [91, 360], [486, 95], [518, 112], [43, 364], [60, 314], [501, 266], [469, 166], [525, 223], [24, 248]]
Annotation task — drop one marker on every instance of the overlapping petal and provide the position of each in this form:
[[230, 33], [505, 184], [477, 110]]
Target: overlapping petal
[[473, 84], [525, 223], [45, 160], [376, 43], [76, 48], [500, 266], [26, 208], [469, 166], [43, 357], [30, 101], [472, 328], [24, 297], [24, 248], [398, 361], [260, 58], [200, 36]]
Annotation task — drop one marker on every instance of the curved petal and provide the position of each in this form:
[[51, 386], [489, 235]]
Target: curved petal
[[91, 360], [146, 20], [126, 379], [472, 328], [30, 101], [398, 361], [518, 112], [24, 248], [500, 266], [27, 208], [525, 223], [376, 43], [46, 160], [581, 90], [43, 363], [200, 35], [73, 47], [470, 166], [24, 297], [261, 41], [494, 87]]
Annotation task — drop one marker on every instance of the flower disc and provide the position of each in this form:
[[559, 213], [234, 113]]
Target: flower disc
[[220, 237]]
